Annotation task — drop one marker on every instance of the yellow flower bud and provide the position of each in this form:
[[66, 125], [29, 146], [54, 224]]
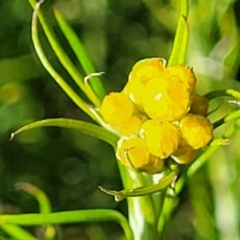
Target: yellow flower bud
[[146, 69], [141, 73], [162, 138], [116, 109], [185, 73], [134, 150], [133, 153], [199, 104], [134, 90], [184, 154], [131, 127], [196, 130], [155, 165], [166, 98]]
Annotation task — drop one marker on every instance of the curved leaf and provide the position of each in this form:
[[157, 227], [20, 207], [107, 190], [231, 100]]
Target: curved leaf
[[77, 125], [141, 191]]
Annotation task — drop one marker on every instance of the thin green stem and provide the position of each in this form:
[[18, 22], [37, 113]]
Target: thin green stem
[[56, 46], [44, 205], [43, 201], [17, 232], [61, 82], [169, 204], [95, 215], [81, 54]]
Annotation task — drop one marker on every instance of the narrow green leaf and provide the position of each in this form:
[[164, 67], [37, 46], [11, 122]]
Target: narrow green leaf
[[60, 81], [80, 126], [95, 215], [180, 44], [141, 191], [56, 46], [81, 54]]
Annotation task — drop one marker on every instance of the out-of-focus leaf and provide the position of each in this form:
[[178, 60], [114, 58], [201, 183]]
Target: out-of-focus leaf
[[17, 232], [180, 45]]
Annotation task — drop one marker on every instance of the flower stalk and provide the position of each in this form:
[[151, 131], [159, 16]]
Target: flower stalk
[[158, 126]]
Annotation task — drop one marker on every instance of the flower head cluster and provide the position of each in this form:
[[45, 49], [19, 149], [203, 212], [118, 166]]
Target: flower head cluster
[[159, 115]]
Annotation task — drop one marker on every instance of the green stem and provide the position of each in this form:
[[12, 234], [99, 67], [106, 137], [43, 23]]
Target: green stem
[[95, 215], [44, 205], [56, 46], [17, 232], [61, 82], [141, 214], [81, 54]]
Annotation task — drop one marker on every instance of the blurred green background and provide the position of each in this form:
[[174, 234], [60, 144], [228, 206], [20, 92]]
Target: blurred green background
[[69, 166]]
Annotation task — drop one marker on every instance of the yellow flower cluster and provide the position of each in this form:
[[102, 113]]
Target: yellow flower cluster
[[158, 115]]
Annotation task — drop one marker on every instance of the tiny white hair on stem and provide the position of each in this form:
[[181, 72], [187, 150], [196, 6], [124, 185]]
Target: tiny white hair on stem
[[235, 102], [37, 6], [97, 74]]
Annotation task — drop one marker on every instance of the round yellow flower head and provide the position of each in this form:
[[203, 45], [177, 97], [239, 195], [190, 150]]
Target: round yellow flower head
[[116, 109], [199, 104], [162, 138], [185, 73], [166, 98], [184, 154], [196, 130], [133, 153], [141, 73]]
